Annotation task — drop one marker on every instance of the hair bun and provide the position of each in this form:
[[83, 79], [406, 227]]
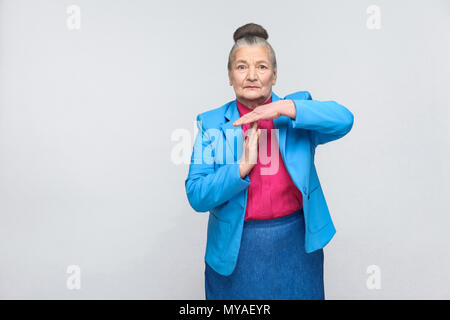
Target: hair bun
[[250, 30]]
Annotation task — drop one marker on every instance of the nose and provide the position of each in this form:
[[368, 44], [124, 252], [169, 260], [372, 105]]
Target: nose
[[252, 73]]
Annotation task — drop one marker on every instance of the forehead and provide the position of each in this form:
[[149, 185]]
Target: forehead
[[252, 54]]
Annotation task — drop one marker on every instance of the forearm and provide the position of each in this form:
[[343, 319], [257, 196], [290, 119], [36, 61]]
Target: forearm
[[322, 116], [208, 191], [326, 120]]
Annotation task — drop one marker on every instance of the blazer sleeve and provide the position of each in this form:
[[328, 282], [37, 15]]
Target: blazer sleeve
[[207, 187], [326, 120]]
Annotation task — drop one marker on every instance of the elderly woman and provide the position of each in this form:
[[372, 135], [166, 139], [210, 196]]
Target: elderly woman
[[268, 218]]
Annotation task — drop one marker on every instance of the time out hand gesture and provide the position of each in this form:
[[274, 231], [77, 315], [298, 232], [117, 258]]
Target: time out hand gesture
[[269, 111]]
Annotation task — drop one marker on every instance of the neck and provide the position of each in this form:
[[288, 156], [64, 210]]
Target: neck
[[252, 104]]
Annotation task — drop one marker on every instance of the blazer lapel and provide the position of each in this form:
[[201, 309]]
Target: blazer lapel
[[231, 133]]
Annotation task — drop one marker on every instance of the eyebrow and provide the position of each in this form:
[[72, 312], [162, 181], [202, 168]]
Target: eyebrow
[[240, 60]]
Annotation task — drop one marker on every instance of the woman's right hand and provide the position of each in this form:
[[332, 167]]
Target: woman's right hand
[[250, 154]]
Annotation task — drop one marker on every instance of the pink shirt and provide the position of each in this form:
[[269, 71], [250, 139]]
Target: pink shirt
[[274, 195]]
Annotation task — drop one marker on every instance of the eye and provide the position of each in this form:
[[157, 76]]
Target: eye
[[263, 66], [241, 67]]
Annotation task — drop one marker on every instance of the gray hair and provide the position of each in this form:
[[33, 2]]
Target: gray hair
[[251, 34]]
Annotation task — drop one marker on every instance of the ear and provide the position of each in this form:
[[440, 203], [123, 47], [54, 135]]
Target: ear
[[229, 79], [274, 77]]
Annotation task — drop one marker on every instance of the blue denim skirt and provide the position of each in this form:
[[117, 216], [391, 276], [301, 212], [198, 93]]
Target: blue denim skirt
[[272, 264]]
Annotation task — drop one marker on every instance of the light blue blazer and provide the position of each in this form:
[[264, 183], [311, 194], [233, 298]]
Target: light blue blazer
[[213, 183]]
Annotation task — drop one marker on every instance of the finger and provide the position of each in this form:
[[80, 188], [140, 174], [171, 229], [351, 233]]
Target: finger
[[241, 120], [254, 135], [251, 117], [248, 118], [253, 128]]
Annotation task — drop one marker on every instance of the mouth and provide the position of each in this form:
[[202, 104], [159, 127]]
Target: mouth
[[251, 87]]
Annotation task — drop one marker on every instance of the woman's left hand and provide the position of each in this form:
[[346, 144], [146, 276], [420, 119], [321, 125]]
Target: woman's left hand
[[268, 111]]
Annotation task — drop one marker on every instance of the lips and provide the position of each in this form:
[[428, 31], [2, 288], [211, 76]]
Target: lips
[[251, 87]]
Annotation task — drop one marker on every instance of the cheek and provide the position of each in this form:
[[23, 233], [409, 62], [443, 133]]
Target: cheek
[[267, 80], [236, 75], [240, 79]]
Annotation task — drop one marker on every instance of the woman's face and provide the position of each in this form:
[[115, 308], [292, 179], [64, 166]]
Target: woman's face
[[252, 75]]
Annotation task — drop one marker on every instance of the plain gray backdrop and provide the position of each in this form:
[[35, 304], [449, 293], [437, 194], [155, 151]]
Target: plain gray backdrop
[[87, 115]]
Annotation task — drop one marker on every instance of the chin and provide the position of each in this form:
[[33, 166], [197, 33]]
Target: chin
[[253, 96], [250, 98], [253, 93]]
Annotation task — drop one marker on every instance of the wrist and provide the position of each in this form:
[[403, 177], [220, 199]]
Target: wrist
[[244, 169], [288, 108]]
